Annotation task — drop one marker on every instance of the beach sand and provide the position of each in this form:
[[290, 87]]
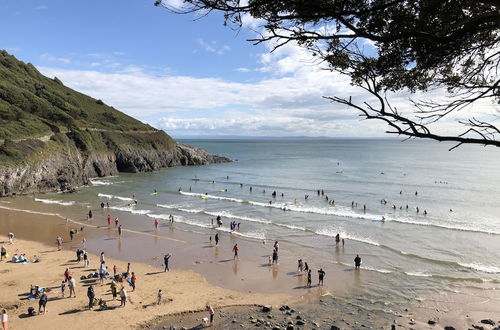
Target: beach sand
[[187, 291], [183, 291]]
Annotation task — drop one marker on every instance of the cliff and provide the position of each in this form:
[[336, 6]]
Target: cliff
[[53, 138]]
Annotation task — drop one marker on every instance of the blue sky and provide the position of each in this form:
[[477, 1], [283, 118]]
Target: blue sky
[[191, 77]]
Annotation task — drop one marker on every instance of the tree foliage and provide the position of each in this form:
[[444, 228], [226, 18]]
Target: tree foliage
[[391, 46]]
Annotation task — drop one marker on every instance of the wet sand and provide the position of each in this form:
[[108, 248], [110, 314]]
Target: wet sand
[[192, 251], [183, 291]]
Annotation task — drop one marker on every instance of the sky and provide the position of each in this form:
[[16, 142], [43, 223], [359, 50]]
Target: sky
[[190, 76]]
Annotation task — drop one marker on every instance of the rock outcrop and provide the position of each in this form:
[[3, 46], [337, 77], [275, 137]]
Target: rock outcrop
[[68, 169]]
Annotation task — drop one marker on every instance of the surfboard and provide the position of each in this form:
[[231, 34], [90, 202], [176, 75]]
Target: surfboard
[[154, 193], [204, 197], [132, 204]]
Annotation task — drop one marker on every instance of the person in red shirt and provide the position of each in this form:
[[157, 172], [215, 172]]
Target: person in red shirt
[[67, 274], [109, 220], [235, 250], [156, 224], [117, 222], [133, 280]]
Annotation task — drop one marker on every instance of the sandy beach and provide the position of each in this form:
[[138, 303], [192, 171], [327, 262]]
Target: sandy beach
[[183, 291], [186, 291]]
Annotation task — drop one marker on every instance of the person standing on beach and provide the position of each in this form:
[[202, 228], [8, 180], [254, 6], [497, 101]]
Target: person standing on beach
[[102, 257], [300, 266], [86, 261], [91, 296], [276, 246], [63, 288], [67, 275], [165, 262], [235, 250], [123, 297], [357, 261], [11, 238], [114, 289], [84, 243], [216, 239], [71, 286], [309, 279], [275, 257], [321, 274], [120, 230], [128, 269], [42, 303], [133, 280], [59, 243], [102, 272], [109, 220], [3, 253], [117, 221], [90, 214], [156, 223], [159, 297], [5, 320], [71, 234], [212, 313]]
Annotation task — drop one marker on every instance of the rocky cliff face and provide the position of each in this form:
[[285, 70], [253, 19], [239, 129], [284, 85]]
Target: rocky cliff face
[[67, 170]]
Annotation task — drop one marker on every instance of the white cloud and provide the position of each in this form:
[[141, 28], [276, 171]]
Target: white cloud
[[49, 58], [212, 47], [41, 7]]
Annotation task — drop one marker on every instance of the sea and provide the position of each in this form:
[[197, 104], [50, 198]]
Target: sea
[[424, 220]]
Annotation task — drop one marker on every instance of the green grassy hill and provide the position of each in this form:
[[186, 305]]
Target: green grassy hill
[[33, 105], [55, 138]]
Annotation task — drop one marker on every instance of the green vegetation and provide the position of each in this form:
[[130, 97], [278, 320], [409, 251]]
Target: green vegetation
[[35, 108]]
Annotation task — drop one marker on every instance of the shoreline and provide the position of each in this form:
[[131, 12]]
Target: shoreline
[[183, 291], [46, 225]]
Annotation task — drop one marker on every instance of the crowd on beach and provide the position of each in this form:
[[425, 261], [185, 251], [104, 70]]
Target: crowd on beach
[[120, 281]]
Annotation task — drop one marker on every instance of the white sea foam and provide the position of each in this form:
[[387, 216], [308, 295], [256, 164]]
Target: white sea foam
[[30, 211], [130, 210], [167, 206], [96, 182], [482, 268], [190, 210], [332, 233], [115, 197], [53, 201], [227, 214], [418, 274]]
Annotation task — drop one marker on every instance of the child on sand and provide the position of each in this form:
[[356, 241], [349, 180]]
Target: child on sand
[[123, 297], [63, 288], [5, 320], [212, 313], [133, 279], [3, 253], [235, 250], [11, 238], [160, 297]]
